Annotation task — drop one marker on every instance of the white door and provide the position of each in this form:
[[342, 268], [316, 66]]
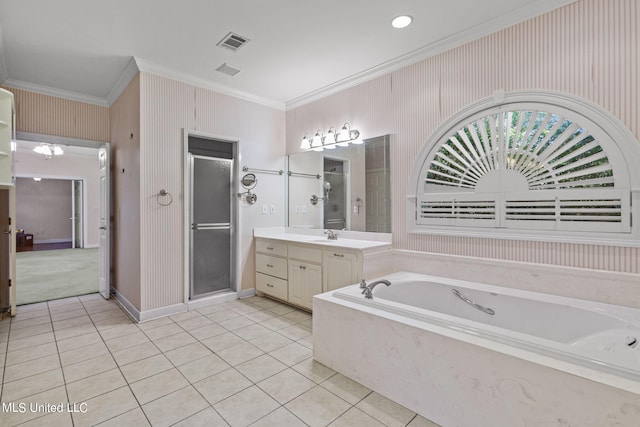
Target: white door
[[103, 161]]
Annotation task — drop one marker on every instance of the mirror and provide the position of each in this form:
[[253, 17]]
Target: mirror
[[344, 188], [249, 181]]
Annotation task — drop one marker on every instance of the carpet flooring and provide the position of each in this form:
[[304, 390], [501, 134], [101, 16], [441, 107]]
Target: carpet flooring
[[49, 275]]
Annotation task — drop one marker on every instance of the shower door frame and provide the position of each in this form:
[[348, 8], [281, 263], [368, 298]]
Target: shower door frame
[[235, 217]]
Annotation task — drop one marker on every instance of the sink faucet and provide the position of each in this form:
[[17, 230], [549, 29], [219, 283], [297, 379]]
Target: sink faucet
[[331, 235], [367, 290]]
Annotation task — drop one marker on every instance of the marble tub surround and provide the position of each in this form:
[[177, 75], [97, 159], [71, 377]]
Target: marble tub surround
[[455, 381], [346, 239], [246, 362]]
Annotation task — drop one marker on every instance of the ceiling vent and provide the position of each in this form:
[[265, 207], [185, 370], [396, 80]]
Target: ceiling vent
[[229, 71], [233, 41]]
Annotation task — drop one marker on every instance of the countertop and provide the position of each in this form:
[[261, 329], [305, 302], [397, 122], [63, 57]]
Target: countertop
[[321, 240]]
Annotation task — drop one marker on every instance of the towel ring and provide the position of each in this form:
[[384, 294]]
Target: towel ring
[[164, 193]]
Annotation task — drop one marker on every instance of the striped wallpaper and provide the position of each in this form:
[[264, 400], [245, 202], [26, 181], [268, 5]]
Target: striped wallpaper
[[50, 115], [588, 49]]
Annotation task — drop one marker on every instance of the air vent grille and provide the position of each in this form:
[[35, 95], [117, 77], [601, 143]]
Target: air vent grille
[[233, 41], [226, 69]]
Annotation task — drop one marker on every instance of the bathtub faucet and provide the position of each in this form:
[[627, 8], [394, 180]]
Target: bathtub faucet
[[367, 290]]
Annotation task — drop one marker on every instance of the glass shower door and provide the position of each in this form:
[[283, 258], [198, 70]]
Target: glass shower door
[[211, 226]]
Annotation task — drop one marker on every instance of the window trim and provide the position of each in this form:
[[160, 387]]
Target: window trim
[[599, 122]]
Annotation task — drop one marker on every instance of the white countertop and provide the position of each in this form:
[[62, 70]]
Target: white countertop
[[320, 239]]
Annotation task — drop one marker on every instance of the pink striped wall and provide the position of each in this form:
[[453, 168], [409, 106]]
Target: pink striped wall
[[588, 49]]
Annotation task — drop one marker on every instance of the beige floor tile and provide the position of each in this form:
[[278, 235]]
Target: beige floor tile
[[252, 331], [281, 309], [184, 316], [236, 323], [241, 307], [386, 411], [99, 306], [133, 418], [144, 368], [281, 417], [127, 341], [346, 388], [68, 314], [206, 418], [211, 309], [318, 407], [152, 324], [419, 421], [245, 407], [208, 331], [26, 323], [72, 322], [270, 341], [297, 316], [21, 343], [260, 368], [240, 353], [32, 367], [133, 354], [63, 302], [30, 331], [95, 385], [158, 385], [174, 341], [88, 352], [222, 385], [291, 354], [26, 312], [91, 297], [307, 323], [295, 332], [12, 391], [31, 353], [195, 322], [203, 368], [220, 342], [88, 368], [307, 342], [111, 322], [277, 323], [354, 417], [222, 315], [56, 419], [106, 406], [313, 370], [186, 354], [119, 331], [163, 331], [79, 341], [174, 407], [260, 316], [75, 331], [286, 385], [55, 395], [113, 313], [4, 338]]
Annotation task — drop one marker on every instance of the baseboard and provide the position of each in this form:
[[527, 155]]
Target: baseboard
[[246, 293], [41, 242], [212, 300], [156, 313], [126, 305], [92, 246]]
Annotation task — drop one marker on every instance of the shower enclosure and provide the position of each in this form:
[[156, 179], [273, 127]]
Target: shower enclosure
[[335, 194]]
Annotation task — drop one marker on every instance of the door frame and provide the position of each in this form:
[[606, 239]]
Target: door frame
[[52, 139], [186, 204]]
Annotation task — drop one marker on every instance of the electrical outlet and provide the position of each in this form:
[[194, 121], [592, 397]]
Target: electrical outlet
[[304, 209], [265, 209], [297, 209], [273, 209]]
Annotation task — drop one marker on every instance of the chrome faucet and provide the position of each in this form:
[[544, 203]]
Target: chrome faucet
[[367, 290], [331, 235]]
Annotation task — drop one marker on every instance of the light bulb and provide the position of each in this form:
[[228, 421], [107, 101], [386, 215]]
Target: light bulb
[[306, 144]]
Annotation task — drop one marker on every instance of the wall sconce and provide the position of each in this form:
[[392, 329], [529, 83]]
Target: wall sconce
[[331, 139], [48, 150]]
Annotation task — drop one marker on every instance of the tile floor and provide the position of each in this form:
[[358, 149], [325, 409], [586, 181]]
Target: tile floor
[[246, 362]]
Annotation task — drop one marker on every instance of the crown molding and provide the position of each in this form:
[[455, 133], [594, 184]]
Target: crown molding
[[529, 11], [146, 66], [59, 93], [4, 75], [129, 72]]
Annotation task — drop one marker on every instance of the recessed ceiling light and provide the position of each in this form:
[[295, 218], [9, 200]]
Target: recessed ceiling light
[[401, 21]]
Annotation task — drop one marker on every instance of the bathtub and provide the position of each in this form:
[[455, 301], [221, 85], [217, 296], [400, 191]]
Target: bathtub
[[537, 360]]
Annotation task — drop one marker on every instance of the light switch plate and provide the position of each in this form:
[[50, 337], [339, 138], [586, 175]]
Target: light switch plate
[[304, 209], [265, 209], [297, 209], [273, 209]]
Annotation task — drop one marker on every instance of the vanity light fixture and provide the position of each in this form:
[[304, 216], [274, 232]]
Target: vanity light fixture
[[401, 21], [48, 150], [331, 139]]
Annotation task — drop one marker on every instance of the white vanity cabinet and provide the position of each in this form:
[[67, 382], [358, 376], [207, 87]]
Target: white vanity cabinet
[[296, 271]]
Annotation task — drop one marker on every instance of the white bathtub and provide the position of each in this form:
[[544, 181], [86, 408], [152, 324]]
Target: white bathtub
[[420, 345]]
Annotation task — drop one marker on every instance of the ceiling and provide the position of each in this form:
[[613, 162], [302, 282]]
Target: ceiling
[[298, 49]]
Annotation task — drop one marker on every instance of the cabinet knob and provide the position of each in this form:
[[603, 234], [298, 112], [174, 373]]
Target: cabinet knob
[[270, 285], [339, 255], [270, 248], [302, 267], [269, 265]]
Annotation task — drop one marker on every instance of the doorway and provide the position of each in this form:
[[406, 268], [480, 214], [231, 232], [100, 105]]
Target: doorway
[[211, 215], [334, 189]]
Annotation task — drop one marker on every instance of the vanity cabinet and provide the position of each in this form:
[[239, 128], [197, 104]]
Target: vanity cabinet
[[295, 272]]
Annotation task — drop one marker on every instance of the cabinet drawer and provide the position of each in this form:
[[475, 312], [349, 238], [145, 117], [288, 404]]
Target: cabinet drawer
[[304, 253], [271, 265], [273, 286], [271, 248]]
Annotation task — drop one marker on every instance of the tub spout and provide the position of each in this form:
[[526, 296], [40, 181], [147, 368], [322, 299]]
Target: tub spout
[[367, 291]]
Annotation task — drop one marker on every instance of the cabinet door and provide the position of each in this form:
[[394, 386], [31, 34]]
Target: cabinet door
[[339, 269], [305, 281]]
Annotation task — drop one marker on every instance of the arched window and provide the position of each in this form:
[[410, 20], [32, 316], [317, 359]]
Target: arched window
[[536, 165]]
